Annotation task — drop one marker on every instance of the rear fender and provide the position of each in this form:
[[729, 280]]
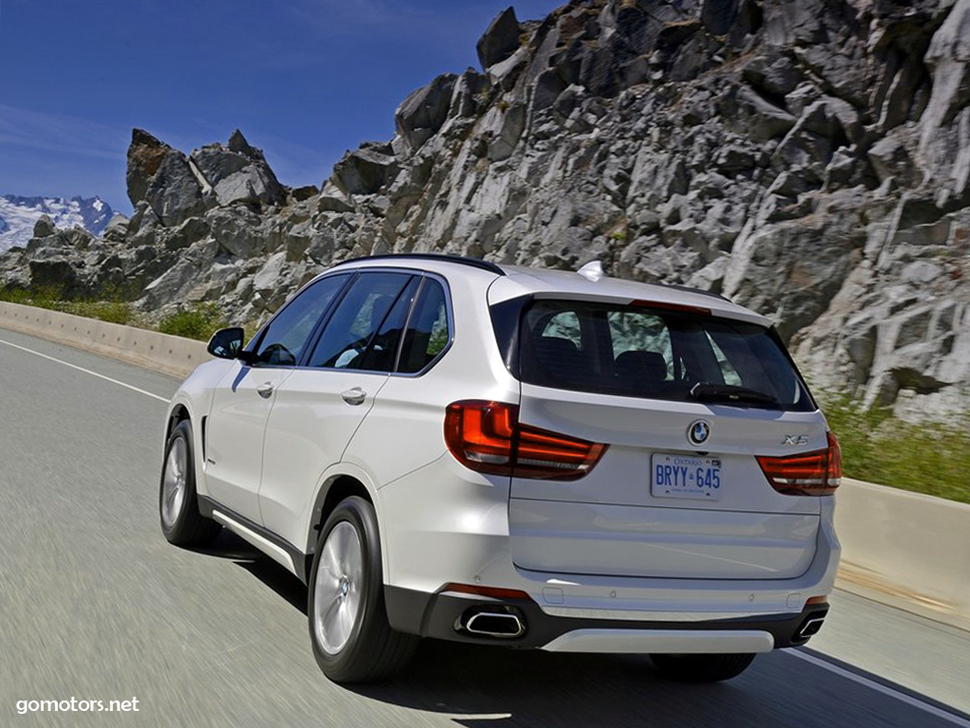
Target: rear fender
[[312, 519]]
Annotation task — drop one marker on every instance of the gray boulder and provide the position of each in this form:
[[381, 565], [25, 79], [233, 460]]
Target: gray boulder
[[173, 281], [237, 230], [322, 247], [509, 133], [774, 74], [424, 111], [117, 228], [366, 170], [238, 173], [830, 117], [304, 193], [949, 56], [468, 94], [500, 40], [57, 273], [334, 199], [889, 158], [44, 227], [505, 74], [270, 293], [719, 15], [756, 116], [162, 177], [191, 231]]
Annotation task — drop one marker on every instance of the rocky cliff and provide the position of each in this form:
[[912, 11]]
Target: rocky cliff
[[807, 158]]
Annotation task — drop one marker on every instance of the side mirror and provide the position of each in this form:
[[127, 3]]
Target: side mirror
[[226, 343]]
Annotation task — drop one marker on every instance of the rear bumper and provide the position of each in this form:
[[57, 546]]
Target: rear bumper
[[443, 616], [465, 539]]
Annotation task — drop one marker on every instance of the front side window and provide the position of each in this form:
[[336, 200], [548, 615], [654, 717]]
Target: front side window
[[286, 337], [357, 323]]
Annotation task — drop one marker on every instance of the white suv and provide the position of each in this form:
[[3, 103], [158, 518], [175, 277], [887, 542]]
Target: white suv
[[443, 447]]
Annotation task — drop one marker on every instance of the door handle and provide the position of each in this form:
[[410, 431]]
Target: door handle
[[265, 390], [354, 396]]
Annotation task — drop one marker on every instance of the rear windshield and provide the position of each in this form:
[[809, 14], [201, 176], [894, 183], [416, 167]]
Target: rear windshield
[[650, 353]]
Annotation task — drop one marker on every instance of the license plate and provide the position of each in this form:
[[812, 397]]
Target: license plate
[[680, 476]]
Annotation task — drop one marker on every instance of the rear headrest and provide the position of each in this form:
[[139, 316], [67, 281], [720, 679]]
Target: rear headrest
[[648, 367], [559, 358]]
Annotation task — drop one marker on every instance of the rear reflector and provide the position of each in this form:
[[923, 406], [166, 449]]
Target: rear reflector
[[487, 437], [484, 591], [811, 473]]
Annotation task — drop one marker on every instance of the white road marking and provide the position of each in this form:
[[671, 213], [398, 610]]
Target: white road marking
[[880, 688], [86, 371]]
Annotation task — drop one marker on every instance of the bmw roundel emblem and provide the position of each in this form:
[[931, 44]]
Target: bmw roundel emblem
[[698, 432]]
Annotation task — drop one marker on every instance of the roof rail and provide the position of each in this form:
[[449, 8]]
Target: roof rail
[[699, 291], [440, 257]]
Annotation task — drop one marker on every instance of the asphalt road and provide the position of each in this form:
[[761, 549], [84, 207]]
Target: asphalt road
[[95, 605]]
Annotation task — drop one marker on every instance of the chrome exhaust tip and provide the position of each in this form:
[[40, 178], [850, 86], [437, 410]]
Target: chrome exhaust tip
[[493, 624], [810, 627]]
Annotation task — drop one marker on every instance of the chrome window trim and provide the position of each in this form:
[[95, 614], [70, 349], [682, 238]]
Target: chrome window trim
[[424, 275]]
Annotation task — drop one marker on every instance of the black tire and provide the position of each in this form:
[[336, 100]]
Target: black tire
[[181, 523], [372, 651], [701, 668]]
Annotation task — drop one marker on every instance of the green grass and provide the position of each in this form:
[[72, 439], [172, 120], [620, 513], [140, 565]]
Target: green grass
[[200, 322], [931, 458], [113, 310]]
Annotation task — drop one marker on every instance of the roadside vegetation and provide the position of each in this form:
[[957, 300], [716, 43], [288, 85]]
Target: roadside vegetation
[[112, 309], [198, 321], [931, 458]]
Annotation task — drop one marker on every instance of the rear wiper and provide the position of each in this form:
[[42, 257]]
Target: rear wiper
[[711, 392]]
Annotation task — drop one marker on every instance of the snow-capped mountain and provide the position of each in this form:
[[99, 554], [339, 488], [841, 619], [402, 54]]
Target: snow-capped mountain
[[18, 215]]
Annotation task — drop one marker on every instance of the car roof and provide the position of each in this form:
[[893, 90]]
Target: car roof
[[519, 280], [511, 281]]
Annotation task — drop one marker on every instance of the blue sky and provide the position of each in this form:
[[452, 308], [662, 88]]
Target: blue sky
[[305, 80]]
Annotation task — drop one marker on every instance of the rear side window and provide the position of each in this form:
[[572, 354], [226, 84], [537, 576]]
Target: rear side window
[[382, 350], [658, 354], [428, 333]]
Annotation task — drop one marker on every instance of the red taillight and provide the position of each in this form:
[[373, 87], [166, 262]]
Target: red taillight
[[487, 437], [481, 435], [811, 473]]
